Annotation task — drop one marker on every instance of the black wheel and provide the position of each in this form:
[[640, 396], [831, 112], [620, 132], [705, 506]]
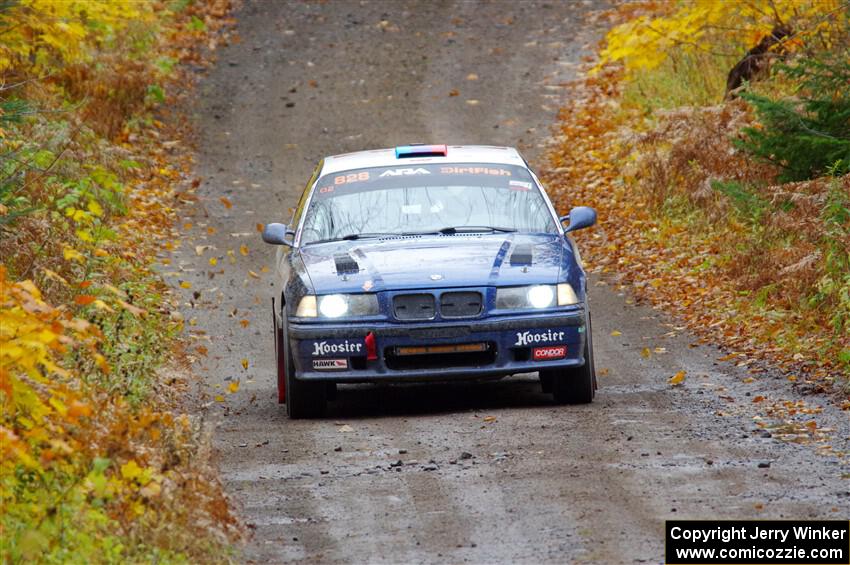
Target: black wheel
[[304, 399], [578, 385]]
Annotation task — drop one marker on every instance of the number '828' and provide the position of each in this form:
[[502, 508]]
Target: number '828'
[[351, 177]]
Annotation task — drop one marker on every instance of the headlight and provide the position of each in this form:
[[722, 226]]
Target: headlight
[[333, 306], [307, 307], [541, 296], [337, 306], [536, 296], [566, 295]]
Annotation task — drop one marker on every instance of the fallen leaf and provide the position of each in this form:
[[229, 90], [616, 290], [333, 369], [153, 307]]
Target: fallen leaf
[[245, 364], [135, 310], [185, 284], [454, 92], [151, 489], [244, 323], [489, 418], [243, 249], [233, 387], [472, 102], [677, 379], [345, 428], [130, 470], [472, 76], [260, 227], [52, 275], [84, 299], [202, 349], [758, 398], [254, 275], [227, 203], [219, 398], [645, 353], [213, 261], [615, 333]]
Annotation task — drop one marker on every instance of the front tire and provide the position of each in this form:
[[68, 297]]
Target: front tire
[[576, 385], [304, 399]]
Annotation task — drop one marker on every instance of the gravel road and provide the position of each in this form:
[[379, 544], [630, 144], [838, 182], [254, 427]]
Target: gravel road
[[481, 473]]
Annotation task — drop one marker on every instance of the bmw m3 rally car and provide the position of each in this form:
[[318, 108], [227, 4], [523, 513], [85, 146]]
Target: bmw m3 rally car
[[428, 262]]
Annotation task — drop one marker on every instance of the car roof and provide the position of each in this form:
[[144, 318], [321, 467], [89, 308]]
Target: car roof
[[454, 154]]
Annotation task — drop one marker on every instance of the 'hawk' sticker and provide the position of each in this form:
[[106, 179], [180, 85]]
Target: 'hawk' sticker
[[330, 364]]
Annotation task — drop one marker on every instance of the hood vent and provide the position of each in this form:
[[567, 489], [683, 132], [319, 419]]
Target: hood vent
[[345, 264], [521, 254]]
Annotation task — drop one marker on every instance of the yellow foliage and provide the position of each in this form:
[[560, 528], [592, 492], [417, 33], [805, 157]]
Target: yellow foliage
[[40, 35], [710, 26]]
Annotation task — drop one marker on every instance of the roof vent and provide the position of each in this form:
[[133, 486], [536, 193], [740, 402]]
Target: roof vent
[[420, 150]]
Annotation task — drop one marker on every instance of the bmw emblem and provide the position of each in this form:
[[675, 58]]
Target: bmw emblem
[[436, 277]]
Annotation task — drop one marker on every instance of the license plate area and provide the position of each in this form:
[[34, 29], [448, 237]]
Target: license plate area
[[443, 356], [441, 349]]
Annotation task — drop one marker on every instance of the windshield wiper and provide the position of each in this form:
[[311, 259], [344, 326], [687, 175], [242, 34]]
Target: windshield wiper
[[350, 237], [461, 229], [473, 229]]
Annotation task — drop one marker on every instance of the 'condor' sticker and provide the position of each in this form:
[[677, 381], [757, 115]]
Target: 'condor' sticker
[[547, 353], [330, 364]]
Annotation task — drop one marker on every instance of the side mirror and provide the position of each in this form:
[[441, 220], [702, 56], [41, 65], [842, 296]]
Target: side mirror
[[276, 234], [580, 217]]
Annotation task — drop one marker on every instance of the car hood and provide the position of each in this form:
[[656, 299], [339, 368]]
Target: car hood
[[434, 261]]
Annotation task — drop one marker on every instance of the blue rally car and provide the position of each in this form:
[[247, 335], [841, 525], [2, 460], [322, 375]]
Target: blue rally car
[[428, 262]]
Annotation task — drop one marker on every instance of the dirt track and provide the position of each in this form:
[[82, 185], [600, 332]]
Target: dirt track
[[415, 473]]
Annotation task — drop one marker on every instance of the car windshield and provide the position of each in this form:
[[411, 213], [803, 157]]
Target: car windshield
[[427, 198]]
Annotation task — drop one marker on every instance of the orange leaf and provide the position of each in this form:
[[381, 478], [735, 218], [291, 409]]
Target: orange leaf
[[227, 203], [84, 299], [244, 323], [677, 379], [77, 409]]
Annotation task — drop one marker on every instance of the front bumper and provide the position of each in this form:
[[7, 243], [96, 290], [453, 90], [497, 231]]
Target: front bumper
[[514, 344]]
